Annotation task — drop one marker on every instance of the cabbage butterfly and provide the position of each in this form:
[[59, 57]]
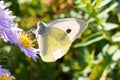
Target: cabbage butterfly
[[55, 38]]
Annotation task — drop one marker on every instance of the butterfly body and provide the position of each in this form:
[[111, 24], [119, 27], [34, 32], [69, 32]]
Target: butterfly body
[[55, 38]]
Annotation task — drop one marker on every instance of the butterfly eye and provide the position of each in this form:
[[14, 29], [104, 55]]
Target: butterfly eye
[[68, 30]]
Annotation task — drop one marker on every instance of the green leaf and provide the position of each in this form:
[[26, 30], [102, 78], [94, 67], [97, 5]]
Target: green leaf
[[116, 37], [96, 3], [108, 9], [116, 56], [112, 49], [110, 26], [109, 51], [98, 70], [103, 3], [91, 39], [118, 10]]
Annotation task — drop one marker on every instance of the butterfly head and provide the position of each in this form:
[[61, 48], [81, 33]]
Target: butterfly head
[[41, 28]]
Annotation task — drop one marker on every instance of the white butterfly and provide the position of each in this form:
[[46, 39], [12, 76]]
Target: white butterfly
[[55, 38]]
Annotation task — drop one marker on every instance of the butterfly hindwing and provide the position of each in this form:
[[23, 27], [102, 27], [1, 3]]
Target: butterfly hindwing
[[56, 44]]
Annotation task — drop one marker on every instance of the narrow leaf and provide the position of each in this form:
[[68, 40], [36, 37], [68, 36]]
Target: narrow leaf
[[91, 39], [116, 37], [110, 26], [104, 2], [108, 9]]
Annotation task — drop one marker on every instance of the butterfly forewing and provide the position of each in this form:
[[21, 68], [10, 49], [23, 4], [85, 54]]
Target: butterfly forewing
[[75, 26]]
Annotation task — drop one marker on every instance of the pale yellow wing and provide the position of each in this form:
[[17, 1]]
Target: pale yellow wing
[[56, 43]]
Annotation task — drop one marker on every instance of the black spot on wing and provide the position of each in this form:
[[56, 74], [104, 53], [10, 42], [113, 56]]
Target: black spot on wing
[[68, 31]]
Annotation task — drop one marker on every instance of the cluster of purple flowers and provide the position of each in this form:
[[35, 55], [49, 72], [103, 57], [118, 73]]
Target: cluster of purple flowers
[[10, 32]]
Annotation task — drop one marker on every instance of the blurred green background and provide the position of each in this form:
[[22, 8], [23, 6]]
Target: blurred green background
[[95, 55]]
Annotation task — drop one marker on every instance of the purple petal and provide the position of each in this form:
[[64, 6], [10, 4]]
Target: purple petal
[[11, 36], [29, 53], [3, 70]]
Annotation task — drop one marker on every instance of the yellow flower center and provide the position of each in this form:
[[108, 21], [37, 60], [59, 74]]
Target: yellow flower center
[[25, 41], [5, 77]]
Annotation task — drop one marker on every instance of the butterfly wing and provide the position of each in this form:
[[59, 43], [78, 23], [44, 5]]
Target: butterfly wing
[[54, 44], [76, 26], [59, 35]]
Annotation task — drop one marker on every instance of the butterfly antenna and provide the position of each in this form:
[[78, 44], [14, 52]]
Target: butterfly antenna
[[33, 30], [34, 40]]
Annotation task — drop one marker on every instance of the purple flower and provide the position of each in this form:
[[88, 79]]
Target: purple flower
[[20, 38], [25, 44], [5, 74], [6, 23], [16, 36], [10, 32]]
